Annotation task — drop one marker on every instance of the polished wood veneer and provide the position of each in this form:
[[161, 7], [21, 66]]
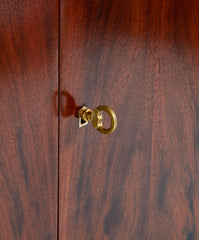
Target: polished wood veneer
[[28, 125], [141, 58]]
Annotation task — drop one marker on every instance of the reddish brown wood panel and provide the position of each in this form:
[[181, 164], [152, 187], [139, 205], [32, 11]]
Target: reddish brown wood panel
[[28, 125], [142, 59]]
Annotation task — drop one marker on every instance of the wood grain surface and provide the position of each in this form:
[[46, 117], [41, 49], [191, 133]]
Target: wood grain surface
[[28, 125], [141, 58]]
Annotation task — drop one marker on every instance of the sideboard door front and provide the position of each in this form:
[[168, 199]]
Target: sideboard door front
[[28, 120], [141, 58]]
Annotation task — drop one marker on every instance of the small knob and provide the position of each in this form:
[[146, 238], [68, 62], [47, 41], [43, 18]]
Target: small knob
[[96, 118]]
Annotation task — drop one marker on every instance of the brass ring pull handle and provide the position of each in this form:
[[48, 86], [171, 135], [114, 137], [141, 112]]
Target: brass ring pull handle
[[96, 118]]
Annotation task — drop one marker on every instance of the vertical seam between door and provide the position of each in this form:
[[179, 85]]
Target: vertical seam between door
[[58, 164]]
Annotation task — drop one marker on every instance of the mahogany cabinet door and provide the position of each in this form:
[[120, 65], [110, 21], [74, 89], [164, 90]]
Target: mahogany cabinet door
[[141, 58], [28, 122]]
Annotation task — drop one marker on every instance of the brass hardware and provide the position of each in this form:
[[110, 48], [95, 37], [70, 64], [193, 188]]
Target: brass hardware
[[96, 118]]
